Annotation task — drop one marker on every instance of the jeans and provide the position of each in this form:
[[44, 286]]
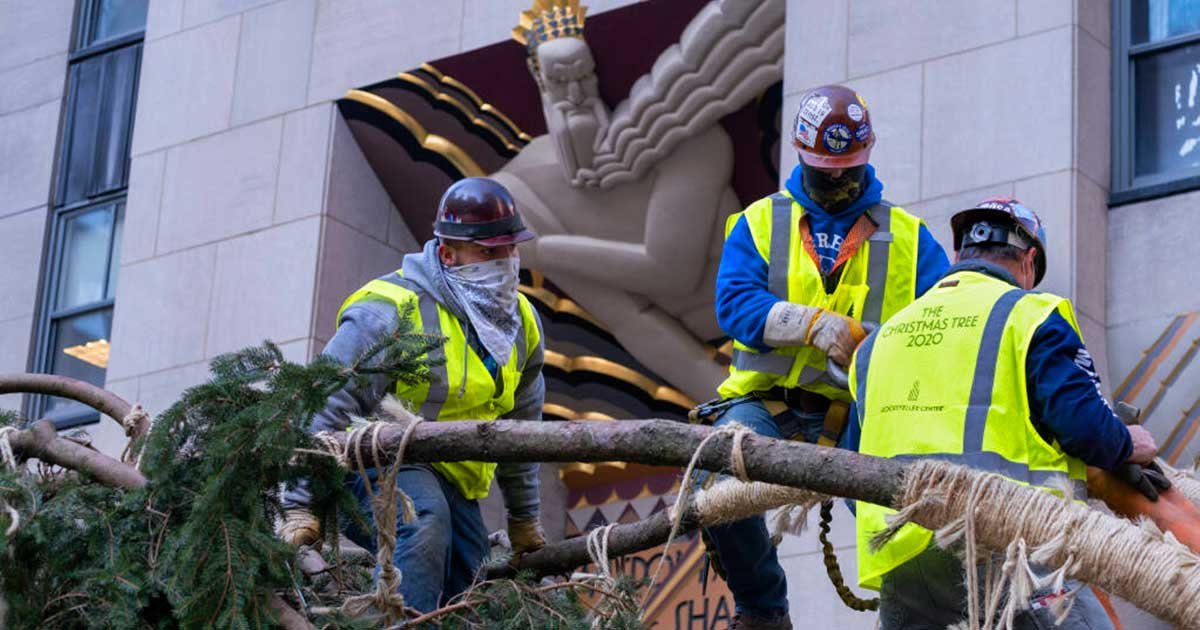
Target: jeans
[[751, 565], [929, 592], [439, 553]]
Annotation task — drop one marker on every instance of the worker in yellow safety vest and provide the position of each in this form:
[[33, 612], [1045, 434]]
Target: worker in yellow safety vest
[[801, 272], [984, 372], [463, 285]]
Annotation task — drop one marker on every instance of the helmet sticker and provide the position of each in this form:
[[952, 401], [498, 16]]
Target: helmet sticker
[[837, 138], [806, 133], [815, 109], [855, 112], [863, 132]]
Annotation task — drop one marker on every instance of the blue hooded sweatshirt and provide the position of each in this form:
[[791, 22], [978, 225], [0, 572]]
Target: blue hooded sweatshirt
[[743, 300]]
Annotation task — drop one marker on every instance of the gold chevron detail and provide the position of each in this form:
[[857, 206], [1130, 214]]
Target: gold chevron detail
[[443, 147], [560, 304], [484, 107], [445, 97], [563, 411], [603, 366]]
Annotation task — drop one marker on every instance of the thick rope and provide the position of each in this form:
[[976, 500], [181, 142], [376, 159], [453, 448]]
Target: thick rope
[[1184, 480], [834, 569], [7, 456], [386, 598], [9, 459], [737, 463], [1033, 527], [597, 548], [131, 423]]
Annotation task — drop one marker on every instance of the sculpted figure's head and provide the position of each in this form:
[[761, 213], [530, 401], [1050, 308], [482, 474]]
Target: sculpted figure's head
[[565, 71]]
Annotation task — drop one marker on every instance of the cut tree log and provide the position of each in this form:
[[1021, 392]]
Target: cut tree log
[[815, 468]]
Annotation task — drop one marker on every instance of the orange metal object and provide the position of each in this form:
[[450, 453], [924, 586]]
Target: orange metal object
[[1173, 512]]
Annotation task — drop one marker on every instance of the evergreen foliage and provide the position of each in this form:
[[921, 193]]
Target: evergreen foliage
[[195, 547]]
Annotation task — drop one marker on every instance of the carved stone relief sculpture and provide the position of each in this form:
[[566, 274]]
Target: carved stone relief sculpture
[[630, 204]]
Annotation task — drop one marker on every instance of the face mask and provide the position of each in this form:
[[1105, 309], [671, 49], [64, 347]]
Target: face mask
[[834, 194], [488, 293]]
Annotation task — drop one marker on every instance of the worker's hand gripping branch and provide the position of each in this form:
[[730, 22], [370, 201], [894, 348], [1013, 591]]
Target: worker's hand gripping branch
[[1141, 471], [836, 335]]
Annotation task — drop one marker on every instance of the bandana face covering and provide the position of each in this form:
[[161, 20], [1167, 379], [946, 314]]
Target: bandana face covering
[[488, 294]]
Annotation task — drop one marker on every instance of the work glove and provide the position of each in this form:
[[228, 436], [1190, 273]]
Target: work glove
[[299, 527], [836, 335], [1149, 479], [526, 535]]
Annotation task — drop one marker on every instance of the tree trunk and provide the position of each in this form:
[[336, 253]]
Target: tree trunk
[[656, 442], [97, 398]]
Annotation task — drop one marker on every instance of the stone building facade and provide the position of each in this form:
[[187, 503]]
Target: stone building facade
[[251, 211]]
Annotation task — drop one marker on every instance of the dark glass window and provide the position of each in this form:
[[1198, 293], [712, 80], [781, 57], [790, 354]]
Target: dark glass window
[[96, 151], [1156, 98], [76, 308], [103, 21]]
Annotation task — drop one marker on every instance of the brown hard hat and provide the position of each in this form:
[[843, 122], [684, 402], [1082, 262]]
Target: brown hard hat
[[480, 210], [832, 129]]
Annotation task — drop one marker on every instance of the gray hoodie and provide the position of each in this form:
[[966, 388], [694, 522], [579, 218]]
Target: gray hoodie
[[368, 320]]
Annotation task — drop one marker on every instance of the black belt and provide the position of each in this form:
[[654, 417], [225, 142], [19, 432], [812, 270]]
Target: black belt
[[798, 399]]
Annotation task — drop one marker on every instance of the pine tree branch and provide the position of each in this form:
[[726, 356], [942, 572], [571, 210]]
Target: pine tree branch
[[41, 441], [97, 398]]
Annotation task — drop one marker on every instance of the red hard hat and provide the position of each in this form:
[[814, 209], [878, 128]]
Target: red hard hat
[[832, 129], [995, 220], [480, 210]]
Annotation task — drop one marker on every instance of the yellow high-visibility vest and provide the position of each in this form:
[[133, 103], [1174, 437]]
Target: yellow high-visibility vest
[[878, 280], [945, 378], [483, 398]]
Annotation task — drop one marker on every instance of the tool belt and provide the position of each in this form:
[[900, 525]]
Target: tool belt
[[778, 400]]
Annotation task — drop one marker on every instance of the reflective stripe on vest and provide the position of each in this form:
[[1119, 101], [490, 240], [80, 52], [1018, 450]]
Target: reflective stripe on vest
[[457, 390], [803, 366], [1013, 312]]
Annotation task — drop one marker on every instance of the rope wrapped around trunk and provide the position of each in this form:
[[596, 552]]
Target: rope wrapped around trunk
[[1028, 526]]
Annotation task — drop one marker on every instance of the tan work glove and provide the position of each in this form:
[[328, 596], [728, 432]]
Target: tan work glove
[[836, 335], [299, 527], [526, 535], [791, 324]]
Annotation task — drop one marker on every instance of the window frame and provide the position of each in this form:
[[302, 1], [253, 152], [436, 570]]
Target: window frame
[[59, 213], [1126, 187]]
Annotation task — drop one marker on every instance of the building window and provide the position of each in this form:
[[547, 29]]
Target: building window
[[1156, 98], [76, 309]]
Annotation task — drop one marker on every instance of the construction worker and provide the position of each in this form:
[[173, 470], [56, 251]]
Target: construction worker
[[984, 372], [800, 271], [464, 286]]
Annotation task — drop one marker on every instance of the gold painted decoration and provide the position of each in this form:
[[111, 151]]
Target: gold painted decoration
[[547, 20], [432, 142], [484, 107], [603, 366]]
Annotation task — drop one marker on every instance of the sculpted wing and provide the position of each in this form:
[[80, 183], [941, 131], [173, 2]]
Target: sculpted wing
[[729, 53]]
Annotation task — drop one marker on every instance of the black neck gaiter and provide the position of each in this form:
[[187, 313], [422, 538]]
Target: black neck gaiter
[[834, 194]]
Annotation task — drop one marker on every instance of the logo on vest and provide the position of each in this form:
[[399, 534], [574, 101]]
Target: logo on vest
[[914, 392]]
